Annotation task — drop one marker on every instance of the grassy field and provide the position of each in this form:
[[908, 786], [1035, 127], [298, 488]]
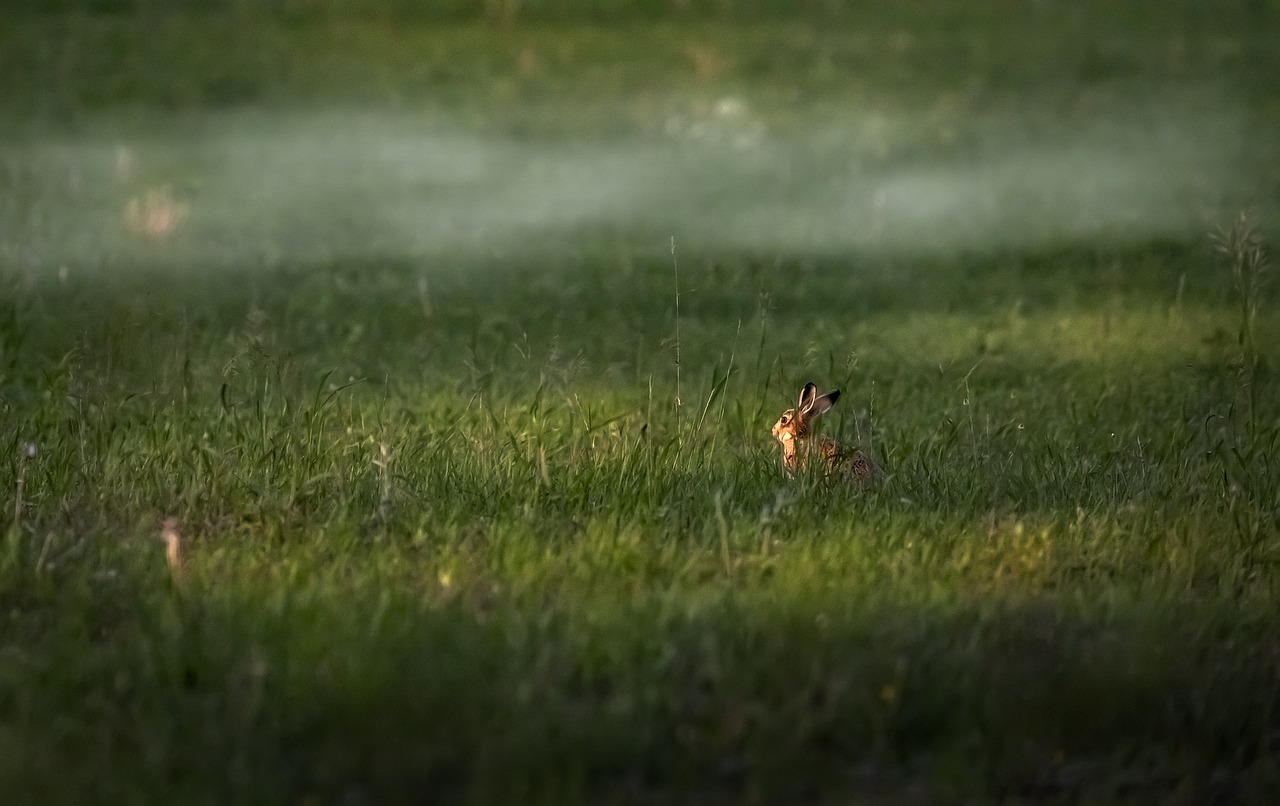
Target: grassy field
[[451, 342]]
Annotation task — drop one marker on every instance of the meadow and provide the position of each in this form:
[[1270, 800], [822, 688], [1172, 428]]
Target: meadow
[[448, 340]]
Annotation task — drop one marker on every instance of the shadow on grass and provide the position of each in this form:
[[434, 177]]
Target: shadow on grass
[[357, 692]]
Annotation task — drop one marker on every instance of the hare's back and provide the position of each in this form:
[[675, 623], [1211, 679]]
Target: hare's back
[[864, 468]]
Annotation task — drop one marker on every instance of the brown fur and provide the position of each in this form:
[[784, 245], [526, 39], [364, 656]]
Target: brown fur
[[794, 431]]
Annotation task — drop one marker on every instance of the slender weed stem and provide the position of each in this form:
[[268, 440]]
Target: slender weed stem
[[675, 268]]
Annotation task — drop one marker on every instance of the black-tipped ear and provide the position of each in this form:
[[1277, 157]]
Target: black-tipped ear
[[822, 403], [807, 394]]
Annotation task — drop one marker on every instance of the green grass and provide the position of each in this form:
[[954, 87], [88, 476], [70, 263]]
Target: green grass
[[405, 373]]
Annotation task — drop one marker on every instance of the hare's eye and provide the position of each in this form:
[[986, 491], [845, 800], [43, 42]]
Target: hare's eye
[[786, 418]]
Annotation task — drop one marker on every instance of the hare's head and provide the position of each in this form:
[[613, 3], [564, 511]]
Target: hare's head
[[794, 425]]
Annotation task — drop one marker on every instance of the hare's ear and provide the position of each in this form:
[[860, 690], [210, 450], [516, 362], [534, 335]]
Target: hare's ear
[[807, 394], [822, 403]]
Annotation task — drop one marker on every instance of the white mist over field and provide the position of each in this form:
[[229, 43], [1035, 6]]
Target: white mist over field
[[317, 187]]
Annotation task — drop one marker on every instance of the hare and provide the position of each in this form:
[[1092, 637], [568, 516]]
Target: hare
[[794, 429]]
